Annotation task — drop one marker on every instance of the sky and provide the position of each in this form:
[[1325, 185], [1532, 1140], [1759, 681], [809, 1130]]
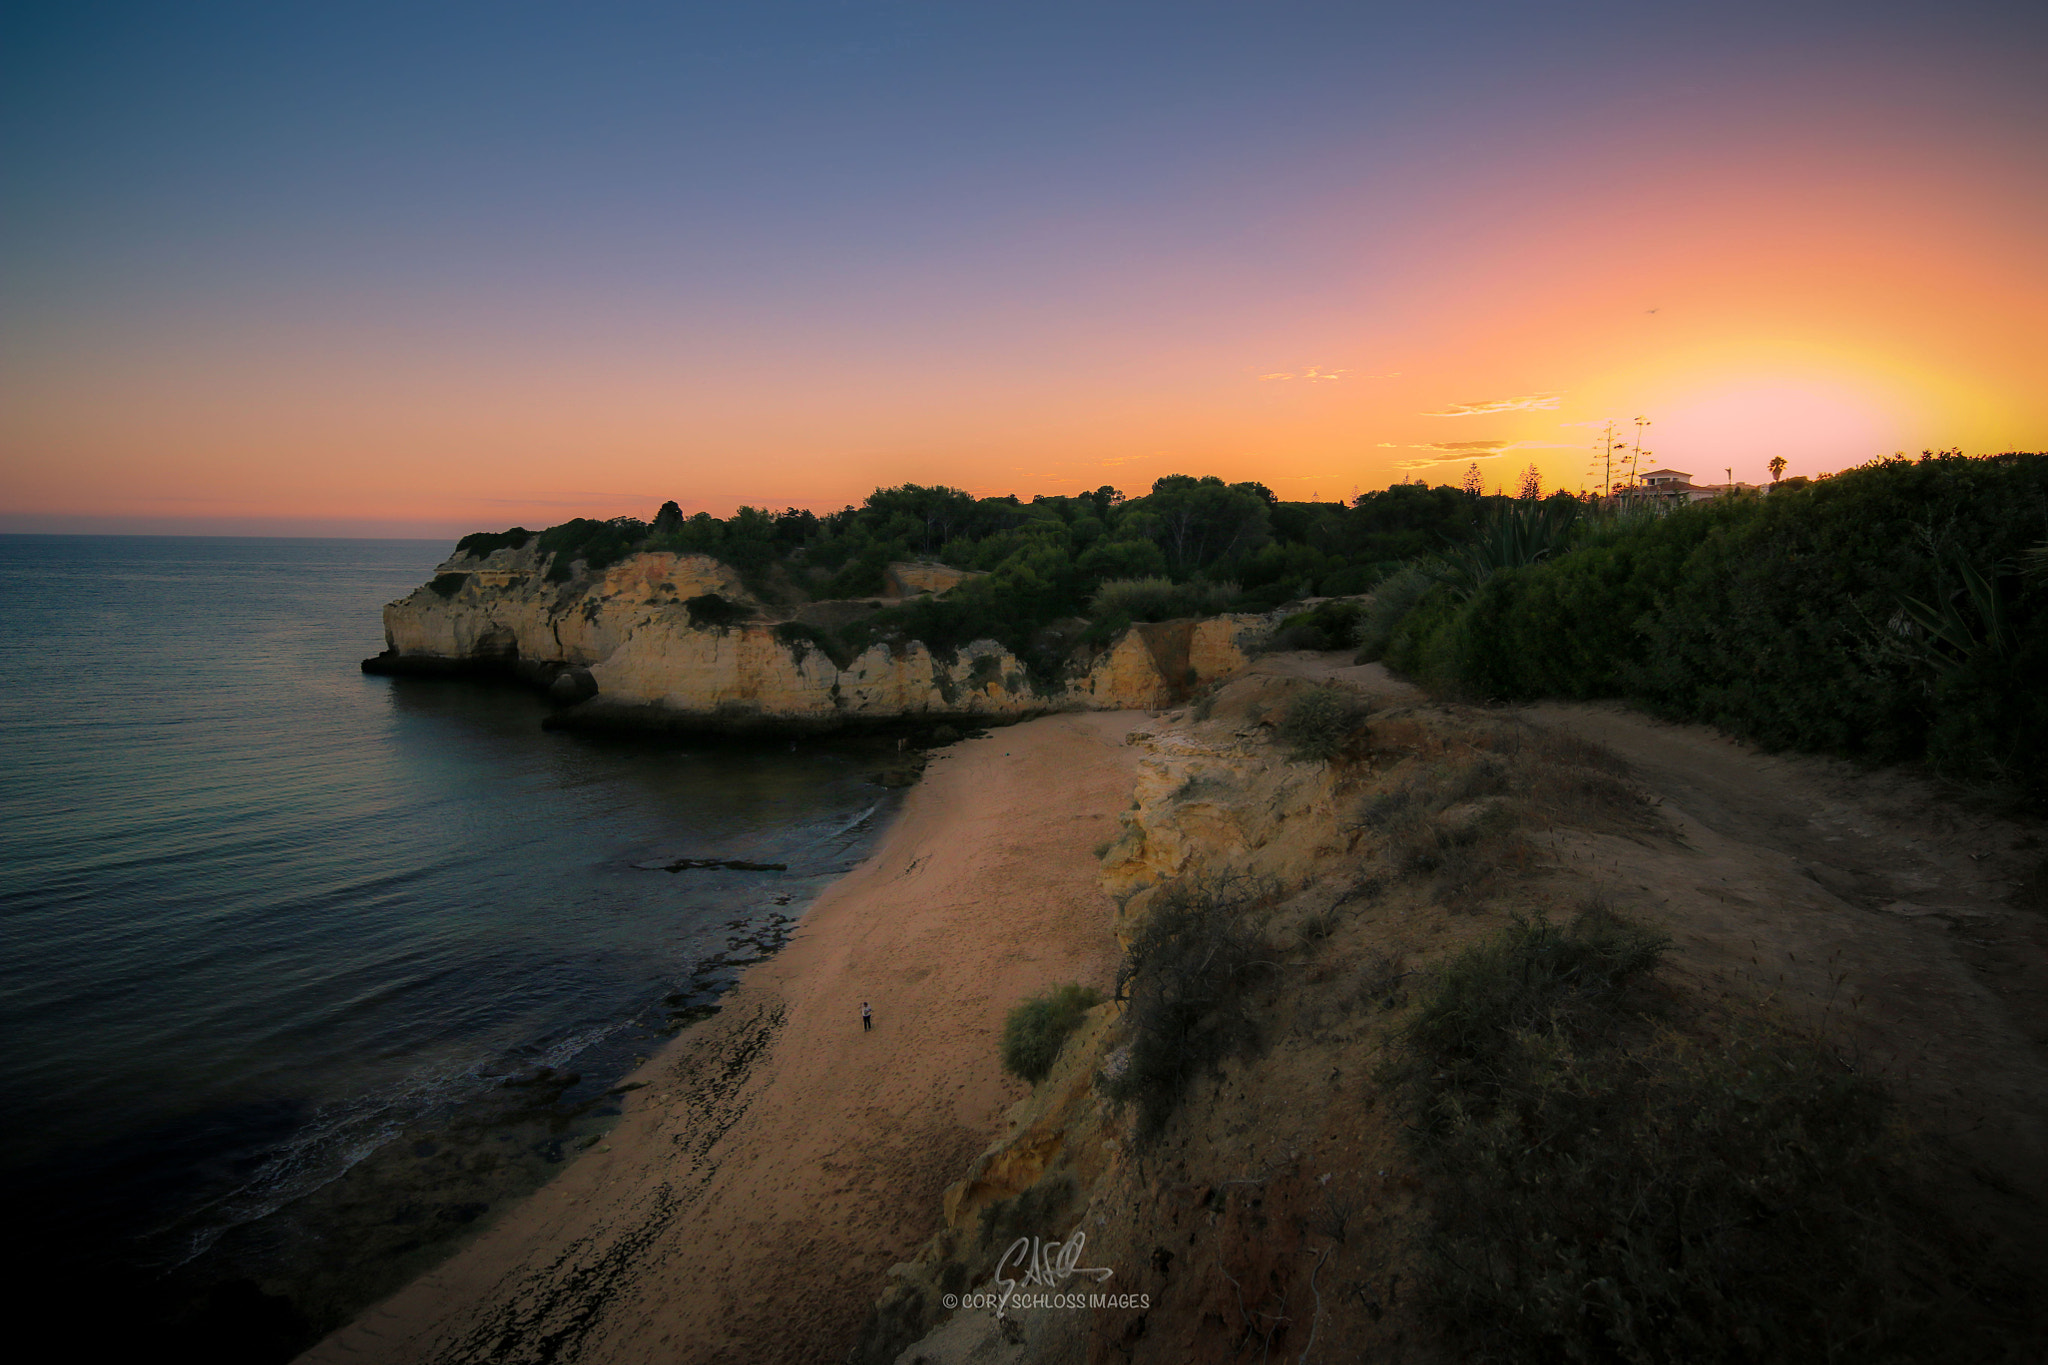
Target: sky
[[417, 269]]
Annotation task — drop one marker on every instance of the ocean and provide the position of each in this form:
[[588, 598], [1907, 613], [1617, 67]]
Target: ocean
[[309, 974]]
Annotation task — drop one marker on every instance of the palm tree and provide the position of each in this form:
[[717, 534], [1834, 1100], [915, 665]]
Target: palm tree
[[1777, 468]]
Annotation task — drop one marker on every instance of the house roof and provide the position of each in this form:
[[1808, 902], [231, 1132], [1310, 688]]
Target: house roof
[[1653, 473]]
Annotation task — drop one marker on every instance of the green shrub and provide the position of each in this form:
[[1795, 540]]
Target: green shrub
[[448, 584], [1320, 722], [1396, 596], [1037, 1029], [1161, 599], [1606, 1188], [1327, 625]]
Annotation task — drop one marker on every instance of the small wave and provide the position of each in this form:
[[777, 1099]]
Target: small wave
[[851, 825]]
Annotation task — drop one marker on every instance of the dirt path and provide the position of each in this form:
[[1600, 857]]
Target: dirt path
[[1871, 902], [781, 1159]]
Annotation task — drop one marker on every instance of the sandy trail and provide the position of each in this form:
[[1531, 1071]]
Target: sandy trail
[[780, 1159]]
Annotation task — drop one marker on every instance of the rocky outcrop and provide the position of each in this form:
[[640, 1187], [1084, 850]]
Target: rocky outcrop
[[677, 640]]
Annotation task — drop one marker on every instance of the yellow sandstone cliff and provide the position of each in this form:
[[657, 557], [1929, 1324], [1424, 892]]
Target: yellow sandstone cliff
[[621, 646]]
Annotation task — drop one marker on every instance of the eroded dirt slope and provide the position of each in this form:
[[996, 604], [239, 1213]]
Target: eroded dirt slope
[[1279, 1209]]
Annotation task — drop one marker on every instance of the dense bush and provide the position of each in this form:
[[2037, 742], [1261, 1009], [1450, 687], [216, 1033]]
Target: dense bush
[[1791, 618], [481, 543], [713, 612], [1036, 1030], [1604, 1187], [596, 544]]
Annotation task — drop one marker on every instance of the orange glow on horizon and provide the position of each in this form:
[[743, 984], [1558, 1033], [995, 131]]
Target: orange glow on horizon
[[1827, 304]]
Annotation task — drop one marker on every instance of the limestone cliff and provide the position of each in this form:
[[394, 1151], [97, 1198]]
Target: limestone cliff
[[671, 639]]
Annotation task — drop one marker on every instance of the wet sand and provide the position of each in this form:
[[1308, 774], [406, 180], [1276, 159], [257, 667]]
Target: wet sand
[[779, 1159]]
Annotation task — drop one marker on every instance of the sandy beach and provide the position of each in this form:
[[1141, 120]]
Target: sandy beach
[[779, 1159]]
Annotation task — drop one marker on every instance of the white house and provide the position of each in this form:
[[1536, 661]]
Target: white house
[[1676, 485]]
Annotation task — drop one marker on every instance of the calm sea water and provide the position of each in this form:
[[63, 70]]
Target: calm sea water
[[307, 973]]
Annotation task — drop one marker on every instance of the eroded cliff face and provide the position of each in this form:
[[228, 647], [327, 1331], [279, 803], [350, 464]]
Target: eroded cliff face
[[621, 646]]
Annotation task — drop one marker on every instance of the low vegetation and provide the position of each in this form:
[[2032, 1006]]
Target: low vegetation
[[1321, 722], [1161, 599], [1606, 1187], [1036, 1030]]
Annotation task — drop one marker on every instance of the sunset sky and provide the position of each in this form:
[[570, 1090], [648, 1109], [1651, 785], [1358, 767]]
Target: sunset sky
[[426, 267]]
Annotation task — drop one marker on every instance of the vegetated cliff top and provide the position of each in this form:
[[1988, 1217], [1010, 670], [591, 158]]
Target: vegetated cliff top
[[1190, 547], [1054, 550]]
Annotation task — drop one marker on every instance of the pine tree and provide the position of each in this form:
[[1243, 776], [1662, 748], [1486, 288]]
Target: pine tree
[[1532, 484], [1474, 484]]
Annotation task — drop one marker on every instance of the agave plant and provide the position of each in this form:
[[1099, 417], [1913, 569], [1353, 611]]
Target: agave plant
[[2034, 562], [1512, 536], [1953, 636]]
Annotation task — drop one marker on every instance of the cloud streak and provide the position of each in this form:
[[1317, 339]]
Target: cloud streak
[[1534, 402], [1461, 452]]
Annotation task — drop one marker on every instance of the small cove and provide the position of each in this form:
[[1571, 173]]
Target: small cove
[[309, 974]]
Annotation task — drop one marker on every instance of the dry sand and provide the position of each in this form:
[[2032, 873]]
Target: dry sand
[[779, 1160]]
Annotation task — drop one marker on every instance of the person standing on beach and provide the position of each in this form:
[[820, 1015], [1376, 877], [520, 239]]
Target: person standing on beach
[[867, 1018]]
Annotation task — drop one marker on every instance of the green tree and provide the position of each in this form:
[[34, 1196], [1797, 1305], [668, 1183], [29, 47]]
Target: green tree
[[1203, 520]]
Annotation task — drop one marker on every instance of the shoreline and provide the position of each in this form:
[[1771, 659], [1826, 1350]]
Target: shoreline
[[777, 1160]]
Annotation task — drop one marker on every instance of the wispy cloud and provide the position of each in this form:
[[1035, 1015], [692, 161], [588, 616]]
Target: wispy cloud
[[1461, 452], [1312, 372], [1533, 402], [563, 499]]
